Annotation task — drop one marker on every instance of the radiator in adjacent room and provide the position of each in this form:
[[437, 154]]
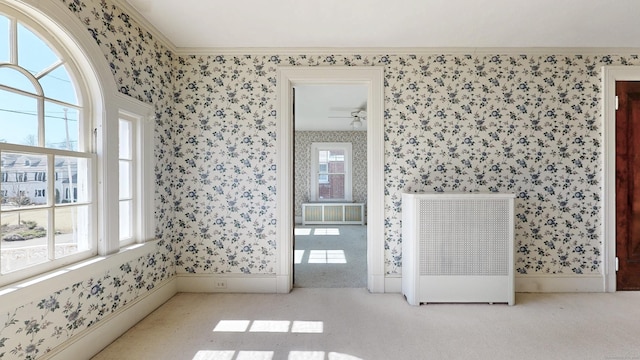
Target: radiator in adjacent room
[[458, 248]]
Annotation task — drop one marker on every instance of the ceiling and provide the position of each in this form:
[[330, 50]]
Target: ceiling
[[329, 107], [205, 26], [398, 23]]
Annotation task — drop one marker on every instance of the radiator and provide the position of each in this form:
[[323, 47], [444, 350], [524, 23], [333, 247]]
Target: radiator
[[458, 248], [333, 213]]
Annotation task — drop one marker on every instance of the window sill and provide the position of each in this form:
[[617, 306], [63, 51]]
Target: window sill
[[35, 288]]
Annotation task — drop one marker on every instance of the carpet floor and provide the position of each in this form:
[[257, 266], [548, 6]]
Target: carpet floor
[[330, 256], [351, 324]]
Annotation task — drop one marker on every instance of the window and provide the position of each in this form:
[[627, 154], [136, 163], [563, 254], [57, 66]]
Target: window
[[331, 172], [135, 175], [45, 221], [59, 114], [127, 179]]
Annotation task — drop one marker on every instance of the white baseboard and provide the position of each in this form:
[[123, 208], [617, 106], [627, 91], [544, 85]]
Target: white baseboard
[[386, 284], [393, 284], [559, 283], [215, 283], [89, 342], [532, 283]]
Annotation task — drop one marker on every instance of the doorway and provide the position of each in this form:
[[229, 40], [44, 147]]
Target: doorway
[[611, 75], [330, 186], [372, 78], [628, 185]]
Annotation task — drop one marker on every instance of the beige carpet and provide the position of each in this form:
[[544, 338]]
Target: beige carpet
[[338, 324], [330, 256]]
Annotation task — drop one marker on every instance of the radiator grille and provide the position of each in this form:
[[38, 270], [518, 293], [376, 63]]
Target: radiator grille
[[313, 213], [353, 213], [464, 237], [333, 213]]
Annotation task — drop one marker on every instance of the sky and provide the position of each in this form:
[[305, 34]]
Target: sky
[[18, 120]]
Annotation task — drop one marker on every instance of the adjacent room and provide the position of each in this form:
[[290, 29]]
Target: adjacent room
[[330, 186], [232, 180]]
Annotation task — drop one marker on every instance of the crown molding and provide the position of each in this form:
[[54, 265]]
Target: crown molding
[[145, 24], [239, 51]]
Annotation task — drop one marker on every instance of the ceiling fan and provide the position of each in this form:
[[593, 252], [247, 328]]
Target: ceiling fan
[[358, 117]]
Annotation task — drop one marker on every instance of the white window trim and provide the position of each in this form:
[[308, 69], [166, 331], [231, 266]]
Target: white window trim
[[103, 106], [60, 44], [143, 192], [314, 171]]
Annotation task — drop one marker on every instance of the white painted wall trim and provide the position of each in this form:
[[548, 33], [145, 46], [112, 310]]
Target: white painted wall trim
[[145, 24], [559, 283], [373, 77], [532, 283], [216, 283], [393, 284], [611, 74], [236, 51], [95, 338]]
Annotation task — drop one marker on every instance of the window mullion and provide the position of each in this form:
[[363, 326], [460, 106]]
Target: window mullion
[[51, 234], [52, 67], [51, 206], [41, 139], [13, 41]]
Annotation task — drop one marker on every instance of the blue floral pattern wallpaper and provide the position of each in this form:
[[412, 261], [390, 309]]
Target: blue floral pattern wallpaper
[[525, 124], [529, 124], [35, 328], [142, 68]]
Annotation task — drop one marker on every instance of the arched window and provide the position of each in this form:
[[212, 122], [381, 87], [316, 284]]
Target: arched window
[[47, 202]]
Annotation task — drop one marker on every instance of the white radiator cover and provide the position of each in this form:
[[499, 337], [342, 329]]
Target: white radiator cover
[[458, 248]]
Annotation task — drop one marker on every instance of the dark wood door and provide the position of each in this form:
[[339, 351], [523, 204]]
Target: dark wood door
[[628, 185]]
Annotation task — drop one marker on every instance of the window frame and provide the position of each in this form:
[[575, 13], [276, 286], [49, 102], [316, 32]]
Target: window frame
[[101, 103], [316, 147], [141, 175]]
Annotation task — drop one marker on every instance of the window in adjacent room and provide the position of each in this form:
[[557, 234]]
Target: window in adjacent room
[[331, 172]]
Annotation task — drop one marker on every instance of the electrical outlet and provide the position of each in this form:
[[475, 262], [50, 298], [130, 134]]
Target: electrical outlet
[[221, 284]]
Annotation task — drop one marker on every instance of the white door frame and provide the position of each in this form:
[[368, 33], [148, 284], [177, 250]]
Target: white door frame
[[611, 74], [373, 77]]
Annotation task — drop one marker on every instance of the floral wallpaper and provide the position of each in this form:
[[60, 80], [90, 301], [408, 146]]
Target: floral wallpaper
[[529, 124], [526, 124], [522, 123], [33, 329], [142, 68], [302, 162]]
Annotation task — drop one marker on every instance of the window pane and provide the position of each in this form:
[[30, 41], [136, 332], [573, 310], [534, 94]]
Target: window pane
[[61, 127], [4, 39], [126, 226], [72, 183], [336, 161], [16, 79], [71, 230], [125, 179], [18, 113], [23, 182], [33, 53], [58, 85], [331, 187], [24, 239], [124, 139]]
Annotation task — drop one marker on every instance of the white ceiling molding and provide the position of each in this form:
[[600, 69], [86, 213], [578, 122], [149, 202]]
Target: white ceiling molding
[[185, 51], [146, 24]]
